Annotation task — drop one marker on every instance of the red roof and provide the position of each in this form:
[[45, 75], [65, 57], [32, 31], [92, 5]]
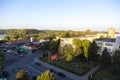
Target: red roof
[[117, 32], [17, 42]]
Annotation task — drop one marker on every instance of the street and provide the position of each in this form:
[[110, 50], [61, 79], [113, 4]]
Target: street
[[27, 63]]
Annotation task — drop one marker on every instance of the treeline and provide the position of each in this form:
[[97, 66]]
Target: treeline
[[25, 34]]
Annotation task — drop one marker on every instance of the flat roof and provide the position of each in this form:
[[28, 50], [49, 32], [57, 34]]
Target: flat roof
[[108, 40]]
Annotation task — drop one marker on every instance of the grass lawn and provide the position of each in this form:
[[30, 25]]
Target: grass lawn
[[104, 74], [82, 68]]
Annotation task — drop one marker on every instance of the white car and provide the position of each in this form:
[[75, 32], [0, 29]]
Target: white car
[[3, 79]]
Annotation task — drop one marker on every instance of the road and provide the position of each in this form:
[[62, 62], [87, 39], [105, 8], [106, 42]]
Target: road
[[26, 62]]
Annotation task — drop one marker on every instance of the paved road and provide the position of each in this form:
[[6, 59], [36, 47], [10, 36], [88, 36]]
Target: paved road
[[26, 62]]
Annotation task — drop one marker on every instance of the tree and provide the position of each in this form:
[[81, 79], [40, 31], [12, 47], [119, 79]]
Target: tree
[[67, 49], [45, 46], [6, 38], [85, 45], [105, 58], [88, 32], [47, 75], [65, 34], [116, 58], [93, 50], [69, 58], [78, 45], [2, 56], [22, 75], [54, 45]]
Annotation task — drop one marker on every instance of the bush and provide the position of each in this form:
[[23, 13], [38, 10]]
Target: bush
[[69, 58], [1, 68]]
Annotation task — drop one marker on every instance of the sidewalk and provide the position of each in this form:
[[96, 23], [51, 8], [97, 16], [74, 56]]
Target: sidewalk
[[68, 74]]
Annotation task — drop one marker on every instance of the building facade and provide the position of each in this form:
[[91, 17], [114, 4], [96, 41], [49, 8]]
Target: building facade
[[111, 45], [111, 32]]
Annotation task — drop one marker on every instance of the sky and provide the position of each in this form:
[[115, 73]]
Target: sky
[[60, 14]]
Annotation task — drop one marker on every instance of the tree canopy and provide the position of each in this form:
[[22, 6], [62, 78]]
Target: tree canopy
[[47, 75], [22, 75]]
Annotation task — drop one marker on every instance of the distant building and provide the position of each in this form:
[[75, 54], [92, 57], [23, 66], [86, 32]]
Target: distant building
[[64, 41], [111, 44], [111, 32], [117, 34], [18, 42], [44, 40]]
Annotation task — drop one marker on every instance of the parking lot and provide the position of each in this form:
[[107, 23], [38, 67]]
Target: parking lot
[[15, 62]]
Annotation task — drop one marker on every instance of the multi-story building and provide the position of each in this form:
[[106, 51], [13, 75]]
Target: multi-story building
[[111, 44]]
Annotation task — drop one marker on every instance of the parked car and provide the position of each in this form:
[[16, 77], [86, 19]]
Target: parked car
[[3, 79], [34, 77], [5, 74], [53, 71], [61, 74], [16, 69], [28, 73], [21, 55], [37, 63]]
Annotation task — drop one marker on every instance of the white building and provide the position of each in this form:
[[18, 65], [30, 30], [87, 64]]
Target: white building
[[64, 41], [111, 44]]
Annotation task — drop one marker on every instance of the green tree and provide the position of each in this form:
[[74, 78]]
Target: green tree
[[85, 45], [2, 56], [6, 38], [78, 45], [67, 49], [116, 57], [69, 58], [54, 45], [88, 32], [93, 50], [105, 58], [65, 34], [45, 46], [22, 75], [47, 75]]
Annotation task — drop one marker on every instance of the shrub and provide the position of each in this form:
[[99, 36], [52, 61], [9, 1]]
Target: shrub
[[69, 58]]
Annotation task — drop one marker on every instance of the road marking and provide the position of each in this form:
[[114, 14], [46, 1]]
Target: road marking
[[34, 69]]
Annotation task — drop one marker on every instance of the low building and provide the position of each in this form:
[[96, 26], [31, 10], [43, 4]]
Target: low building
[[18, 42], [64, 41]]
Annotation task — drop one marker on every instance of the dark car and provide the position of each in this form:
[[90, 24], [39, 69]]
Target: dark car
[[34, 77], [5, 73], [16, 69], [53, 71], [38, 64], [61, 74]]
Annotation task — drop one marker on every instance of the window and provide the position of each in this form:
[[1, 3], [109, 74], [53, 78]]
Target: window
[[109, 50], [99, 43], [108, 44]]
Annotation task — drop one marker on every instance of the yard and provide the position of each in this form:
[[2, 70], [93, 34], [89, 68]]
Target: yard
[[79, 68], [104, 74]]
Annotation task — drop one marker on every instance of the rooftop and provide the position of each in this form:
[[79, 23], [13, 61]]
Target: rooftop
[[108, 40]]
